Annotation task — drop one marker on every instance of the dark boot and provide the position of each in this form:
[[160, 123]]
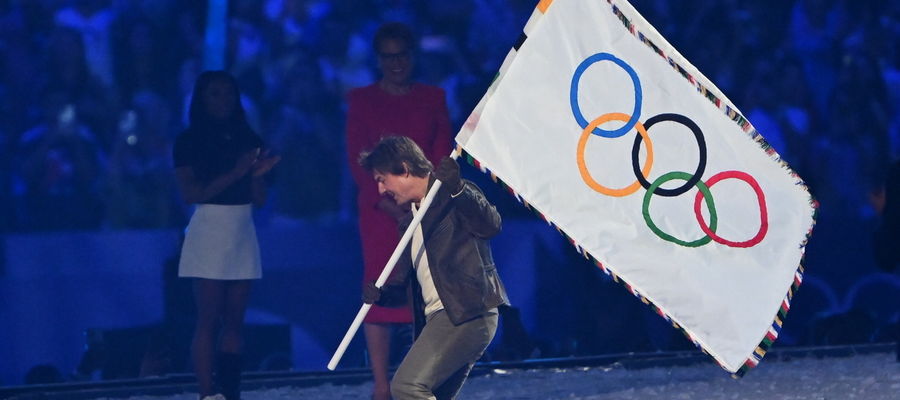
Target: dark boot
[[228, 375]]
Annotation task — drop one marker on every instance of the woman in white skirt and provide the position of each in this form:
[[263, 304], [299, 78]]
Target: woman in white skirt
[[220, 169]]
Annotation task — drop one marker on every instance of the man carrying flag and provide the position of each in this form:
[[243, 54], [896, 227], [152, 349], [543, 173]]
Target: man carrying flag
[[455, 286], [601, 127]]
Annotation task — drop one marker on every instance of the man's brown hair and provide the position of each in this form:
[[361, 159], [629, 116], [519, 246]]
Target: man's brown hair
[[394, 154]]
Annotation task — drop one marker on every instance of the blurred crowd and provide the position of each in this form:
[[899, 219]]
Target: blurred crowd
[[93, 92]]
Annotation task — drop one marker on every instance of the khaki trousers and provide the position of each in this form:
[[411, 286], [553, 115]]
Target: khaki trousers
[[442, 356]]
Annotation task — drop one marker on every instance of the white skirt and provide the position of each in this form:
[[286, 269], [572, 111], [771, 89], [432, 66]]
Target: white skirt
[[220, 243]]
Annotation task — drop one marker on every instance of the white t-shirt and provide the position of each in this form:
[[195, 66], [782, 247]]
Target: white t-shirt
[[423, 273]]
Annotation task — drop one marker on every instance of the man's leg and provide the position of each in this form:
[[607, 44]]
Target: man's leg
[[450, 388], [443, 351]]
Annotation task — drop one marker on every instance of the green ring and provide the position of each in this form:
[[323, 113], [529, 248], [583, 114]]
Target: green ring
[[707, 195]]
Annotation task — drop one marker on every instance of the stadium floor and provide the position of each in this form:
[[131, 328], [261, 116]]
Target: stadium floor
[[843, 372]]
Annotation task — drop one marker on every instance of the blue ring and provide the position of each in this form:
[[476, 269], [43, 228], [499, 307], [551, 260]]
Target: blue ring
[[638, 96]]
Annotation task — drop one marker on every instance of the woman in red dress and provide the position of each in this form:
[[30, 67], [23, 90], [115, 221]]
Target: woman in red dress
[[393, 106]]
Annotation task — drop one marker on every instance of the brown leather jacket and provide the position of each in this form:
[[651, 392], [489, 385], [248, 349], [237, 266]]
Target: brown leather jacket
[[456, 232]]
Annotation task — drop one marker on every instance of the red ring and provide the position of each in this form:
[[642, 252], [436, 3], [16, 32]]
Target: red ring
[[763, 210]]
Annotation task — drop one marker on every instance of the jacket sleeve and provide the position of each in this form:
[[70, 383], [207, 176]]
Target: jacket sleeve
[[392, 296], [477, 214]]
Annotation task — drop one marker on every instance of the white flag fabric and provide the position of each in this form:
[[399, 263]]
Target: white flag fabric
[[604, 129]]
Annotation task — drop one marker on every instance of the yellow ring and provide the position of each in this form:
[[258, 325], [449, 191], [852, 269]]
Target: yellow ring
[[582, 166]]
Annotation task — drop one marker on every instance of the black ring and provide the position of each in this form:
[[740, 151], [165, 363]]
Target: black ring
[[701, 144]]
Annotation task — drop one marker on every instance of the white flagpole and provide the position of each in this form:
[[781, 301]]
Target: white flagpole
[[417, 219]]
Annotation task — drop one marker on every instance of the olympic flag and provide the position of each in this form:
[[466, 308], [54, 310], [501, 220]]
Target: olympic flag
[[603, 128]]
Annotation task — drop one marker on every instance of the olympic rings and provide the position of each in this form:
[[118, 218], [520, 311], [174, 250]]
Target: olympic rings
[[704, 189], [633, 121], [582, 165], [638, 96], [760, 197], [701, 145]]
